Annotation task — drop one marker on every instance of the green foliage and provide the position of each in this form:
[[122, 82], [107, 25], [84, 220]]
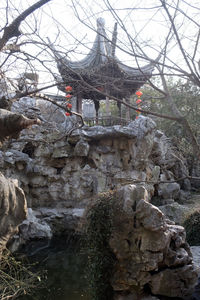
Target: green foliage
[[114, 111], [16, 277], [100, 257], [192, 227], [186, 98]]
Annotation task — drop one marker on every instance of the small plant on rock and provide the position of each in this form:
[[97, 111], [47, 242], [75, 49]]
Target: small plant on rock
[[192, 228], [16, 277], [98, 229]]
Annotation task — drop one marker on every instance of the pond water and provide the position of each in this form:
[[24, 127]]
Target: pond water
[[64, 266]]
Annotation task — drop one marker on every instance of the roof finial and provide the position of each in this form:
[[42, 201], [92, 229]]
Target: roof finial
[[114, 40], [100, 22]]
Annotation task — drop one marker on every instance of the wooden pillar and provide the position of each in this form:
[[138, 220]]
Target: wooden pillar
[[79, 104], [96, 104], [128, 111], [120, 109], [107, 106]]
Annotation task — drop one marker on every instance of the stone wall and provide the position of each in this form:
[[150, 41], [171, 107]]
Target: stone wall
[[56, 171], [61, 175], [151, 252], [13, 209]]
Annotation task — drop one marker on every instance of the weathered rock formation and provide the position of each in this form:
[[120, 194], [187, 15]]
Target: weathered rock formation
[[12, 209], [151, 251], [61, 175], [44, 223], [56, 171], [12, 123], [13, 206]]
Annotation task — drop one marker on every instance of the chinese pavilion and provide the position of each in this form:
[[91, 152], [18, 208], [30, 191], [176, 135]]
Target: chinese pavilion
[[101, 73]]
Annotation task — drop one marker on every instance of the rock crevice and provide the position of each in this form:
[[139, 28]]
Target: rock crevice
[[150, 250]]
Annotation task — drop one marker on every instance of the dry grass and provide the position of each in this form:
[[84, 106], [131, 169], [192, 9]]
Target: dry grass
[[16, 277]]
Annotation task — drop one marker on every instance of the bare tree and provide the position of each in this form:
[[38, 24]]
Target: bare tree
[[173, 17], [11, 124], [12, 30], [179, 47], [11, 47]]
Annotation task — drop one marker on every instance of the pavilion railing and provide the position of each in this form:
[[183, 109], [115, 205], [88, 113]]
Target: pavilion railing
[[106, 121]]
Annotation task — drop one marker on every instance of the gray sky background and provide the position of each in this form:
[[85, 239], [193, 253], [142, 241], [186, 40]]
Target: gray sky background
[[144, 21]]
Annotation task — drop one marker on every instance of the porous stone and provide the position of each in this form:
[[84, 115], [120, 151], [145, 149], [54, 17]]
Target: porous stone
[[34, 228], [134, 296], [12, 123], [66, 174], [63, 151], [149, 250], [149, 216], [57, 169], [81, 148], [181, 281], [169, 190], [45, 222], [196, 256], [180, 212], [13, 209]]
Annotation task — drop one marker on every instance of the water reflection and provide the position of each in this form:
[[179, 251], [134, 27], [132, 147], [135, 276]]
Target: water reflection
[[64, 264]]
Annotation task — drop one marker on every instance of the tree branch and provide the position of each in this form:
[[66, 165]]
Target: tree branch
[[13, 29]]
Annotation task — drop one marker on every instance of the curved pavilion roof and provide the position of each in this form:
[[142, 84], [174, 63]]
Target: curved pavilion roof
[[101, 69]]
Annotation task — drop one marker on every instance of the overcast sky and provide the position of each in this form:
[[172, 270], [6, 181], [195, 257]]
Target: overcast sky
[[58, 20]]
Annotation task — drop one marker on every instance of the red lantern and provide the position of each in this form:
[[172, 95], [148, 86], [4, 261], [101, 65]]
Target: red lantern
[[100, 88], [138, 101], [139, 93], [67, 114], [69, 105], [68, 88], [68, 96]]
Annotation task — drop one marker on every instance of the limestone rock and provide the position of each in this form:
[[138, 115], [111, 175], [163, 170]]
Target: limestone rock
[[179, 281], [138, 129], [149, 250], [34, 228], [45, 222], [12, 209], [149, 216], [40, 108], [155, 173], [169, 190], [1, 159], [180, 212], [81, 148], [176, 212], [134, 296], [131, 195], [93, 160], [64, 176], [63, 151], [12, 123], [196, 256]]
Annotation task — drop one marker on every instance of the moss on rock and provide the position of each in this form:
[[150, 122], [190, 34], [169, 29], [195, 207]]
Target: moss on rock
[[100, 257], [192, 227]]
